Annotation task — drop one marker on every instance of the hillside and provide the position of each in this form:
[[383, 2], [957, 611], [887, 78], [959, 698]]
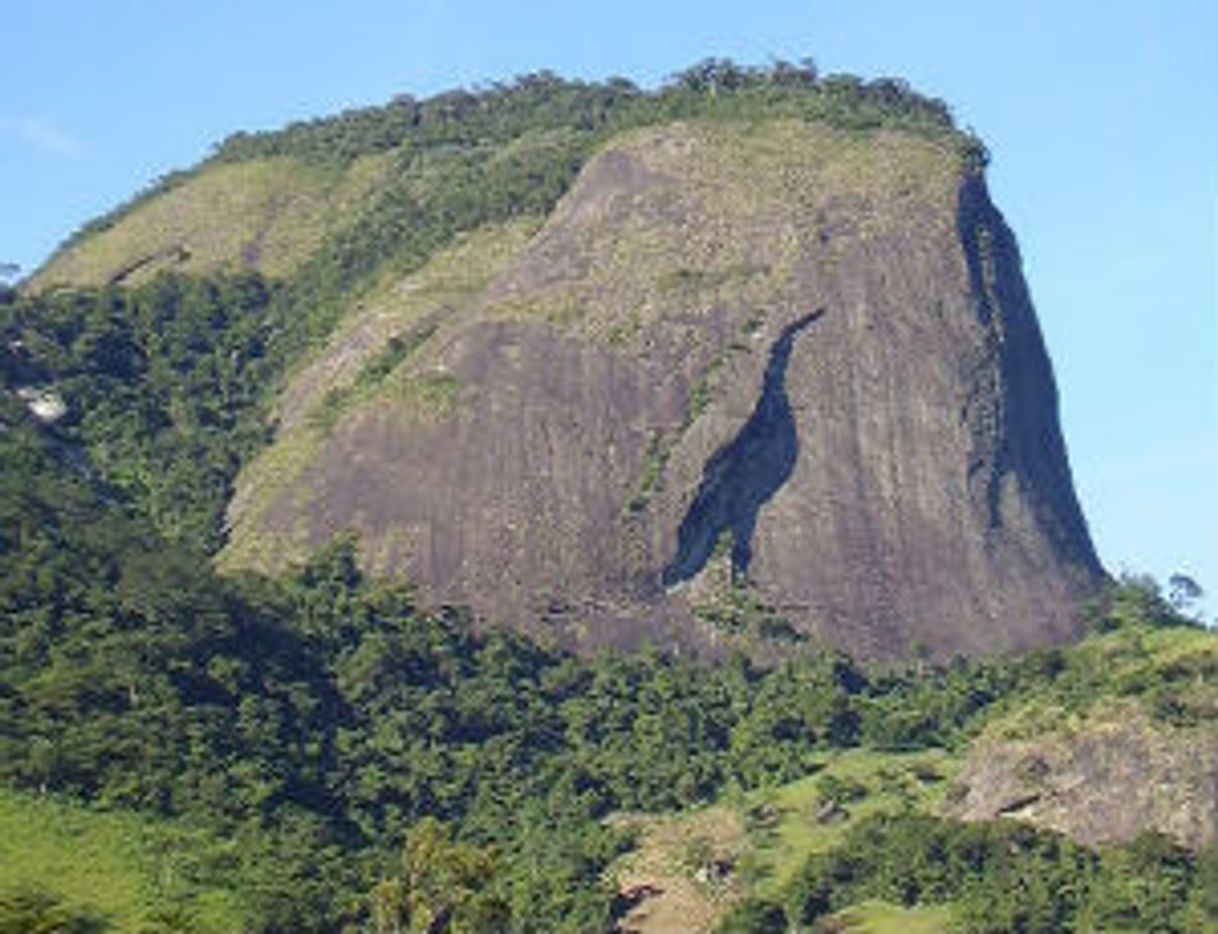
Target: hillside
[[564, 507], [78, 865], [539, 349], [265, 214], [324, 723], [1114, 747], [154, 713]]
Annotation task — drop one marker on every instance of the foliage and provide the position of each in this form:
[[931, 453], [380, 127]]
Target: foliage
[[161, 384], [998, 877], [542, 100], [442, 887], [320, 719], [34, 911]]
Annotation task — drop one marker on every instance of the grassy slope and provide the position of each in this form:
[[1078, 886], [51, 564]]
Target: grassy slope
[[750, 195], [1172, 669], [768, 834], [888, 781], [873, 917], [268, 213], [136, 872]]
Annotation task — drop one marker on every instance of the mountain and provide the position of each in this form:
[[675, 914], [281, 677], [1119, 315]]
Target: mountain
[[742, 363], [748, 357]]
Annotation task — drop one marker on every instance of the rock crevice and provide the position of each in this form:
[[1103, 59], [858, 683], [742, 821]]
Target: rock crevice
[[744, 474]]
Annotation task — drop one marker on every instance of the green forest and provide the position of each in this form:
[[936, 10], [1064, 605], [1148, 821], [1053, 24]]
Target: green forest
[[319, 752]]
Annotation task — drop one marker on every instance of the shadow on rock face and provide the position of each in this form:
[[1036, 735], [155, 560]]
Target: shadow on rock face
[[744, 474]]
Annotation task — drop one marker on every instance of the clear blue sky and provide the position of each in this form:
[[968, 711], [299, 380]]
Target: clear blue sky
[[1102, 116]]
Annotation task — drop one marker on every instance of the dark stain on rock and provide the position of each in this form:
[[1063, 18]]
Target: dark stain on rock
[[744, 474]]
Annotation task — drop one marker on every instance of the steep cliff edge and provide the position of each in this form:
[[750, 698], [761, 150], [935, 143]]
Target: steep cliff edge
[[528, 424]]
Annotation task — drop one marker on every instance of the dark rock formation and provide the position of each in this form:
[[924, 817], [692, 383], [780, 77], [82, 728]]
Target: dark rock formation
[[599, 398]]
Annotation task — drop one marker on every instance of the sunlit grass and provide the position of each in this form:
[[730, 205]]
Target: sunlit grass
[[888, 782], [133, 871], [874, 917], [270, 214]]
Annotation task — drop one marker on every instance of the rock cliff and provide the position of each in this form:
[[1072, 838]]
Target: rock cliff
[[770, 365]]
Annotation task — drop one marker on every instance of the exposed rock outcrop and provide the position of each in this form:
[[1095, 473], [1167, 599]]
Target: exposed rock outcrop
[[1108, 781], [572, 429]]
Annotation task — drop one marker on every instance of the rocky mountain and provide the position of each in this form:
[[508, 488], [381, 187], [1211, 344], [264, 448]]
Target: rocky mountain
[[758, 377], [746, 362]]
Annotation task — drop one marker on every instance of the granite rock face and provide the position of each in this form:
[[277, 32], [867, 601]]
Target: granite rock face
[[769, 359], [1107, 781]]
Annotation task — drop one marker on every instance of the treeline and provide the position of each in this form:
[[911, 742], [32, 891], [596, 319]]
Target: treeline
[[544, 101], [495, 115]]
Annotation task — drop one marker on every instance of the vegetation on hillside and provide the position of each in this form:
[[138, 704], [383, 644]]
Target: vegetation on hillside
[[330, 753], [322, 718], [115, 870], [545, 101], [161, 388], [998, 877]]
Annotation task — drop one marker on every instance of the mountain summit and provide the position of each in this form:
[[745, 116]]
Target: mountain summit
[[733, 375]]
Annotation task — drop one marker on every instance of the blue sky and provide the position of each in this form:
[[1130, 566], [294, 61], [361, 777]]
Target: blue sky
[[1102, 118]]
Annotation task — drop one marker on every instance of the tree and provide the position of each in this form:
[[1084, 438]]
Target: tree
[[444, 886], [1183, 592]]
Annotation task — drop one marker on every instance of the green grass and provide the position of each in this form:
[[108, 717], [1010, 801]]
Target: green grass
[[874, 917], [268, 213], [770, 833], [137, 873], [891, 781]]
